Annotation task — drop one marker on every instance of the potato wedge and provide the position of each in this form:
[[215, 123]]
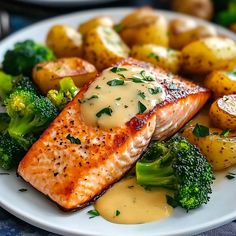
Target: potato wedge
[[144, 26], [104, 47], [180, 40], [95, 22], [208, 54], [166, 58], [219, 150], [221, 83], [47, 75], [223, 112], [64, 41]]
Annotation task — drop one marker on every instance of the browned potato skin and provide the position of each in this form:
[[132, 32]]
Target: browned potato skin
[[95, 22], [219, 151], [180, 40], [47, 75], [64, 41], [221, 115], [221, 83], [144, 26]]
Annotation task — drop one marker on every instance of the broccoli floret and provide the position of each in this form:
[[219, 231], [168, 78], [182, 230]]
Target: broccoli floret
[[9, 83], [24, 56], [4, 121], [176, 164], [10, 151], [29, 114], [67, 91]]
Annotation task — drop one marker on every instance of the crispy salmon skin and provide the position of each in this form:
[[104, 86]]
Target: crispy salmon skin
[[75, 172]]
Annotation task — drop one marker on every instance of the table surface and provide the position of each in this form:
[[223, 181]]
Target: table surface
[[21, 17]]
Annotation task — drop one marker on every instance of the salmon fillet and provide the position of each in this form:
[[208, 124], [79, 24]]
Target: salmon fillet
[[75, 174]]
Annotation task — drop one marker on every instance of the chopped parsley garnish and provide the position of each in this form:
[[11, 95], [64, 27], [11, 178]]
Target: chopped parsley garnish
[[230, 176], [141, 107], [93, 213], [136, 80], [73, 140], [225, 133], [4, 173], [153, 55], [117, 69], [118, 28], [155, 90], [141, 94], [97, 87], [117, 212], [201, 130], [172, 86], [22, 190], [231, 73], [118, 99], [115, 82], [92, 97], [121, 75], [171, 201], [107, 110], [146, 77]]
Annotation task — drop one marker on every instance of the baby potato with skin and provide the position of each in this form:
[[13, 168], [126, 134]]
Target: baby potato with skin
[[208, 54], [64, 41], [47, 75], [223, 112], [166, 58], [219, 150], [221, 83], [144, 26], [104, 47], [95, 22]]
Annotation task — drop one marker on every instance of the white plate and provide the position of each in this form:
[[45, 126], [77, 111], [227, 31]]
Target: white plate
[[35, 208], [68, 3]]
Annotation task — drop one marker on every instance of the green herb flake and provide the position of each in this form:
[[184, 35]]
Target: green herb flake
[[92, 97], [230, 176], [141, 94], [93, 213], [171, 201], [115, 82], [141, 107], [73, 140], [153, 55], [155, 90], [201, 130], [121, 75], [117, 69], [145, 77], [4, 173], [173, 86], [22, 190], [118, 28], [117, 213], [107, 110], [118, 99], [97, 87], [225, 133], [136, 80]]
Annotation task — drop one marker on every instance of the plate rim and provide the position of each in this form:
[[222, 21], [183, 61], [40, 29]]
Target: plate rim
[[59, 230]]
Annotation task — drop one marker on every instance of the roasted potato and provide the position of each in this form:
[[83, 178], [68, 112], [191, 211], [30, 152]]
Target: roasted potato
[[144, 26], [104, 47], [223, 112], [219, 150], [221, 83], [64, 41], [208, 54], [164, 57], [47, 75], [180, 40], [95, 22]]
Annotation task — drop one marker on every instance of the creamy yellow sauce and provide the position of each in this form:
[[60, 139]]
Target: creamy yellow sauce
[[118, 95], [129, 203]]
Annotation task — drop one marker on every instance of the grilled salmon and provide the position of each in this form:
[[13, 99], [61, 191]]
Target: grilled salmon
[[76, 159]]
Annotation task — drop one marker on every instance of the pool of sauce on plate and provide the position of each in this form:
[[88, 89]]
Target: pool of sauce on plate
[[129, 203]]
